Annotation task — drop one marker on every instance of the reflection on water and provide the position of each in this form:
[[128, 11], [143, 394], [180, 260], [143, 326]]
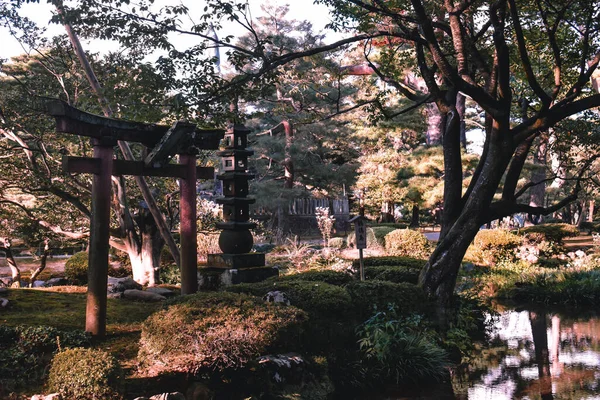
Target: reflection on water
[[536, 354]]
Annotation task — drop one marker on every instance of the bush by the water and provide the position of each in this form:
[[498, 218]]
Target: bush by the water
[[80, 373], [408, 243], [395, 274], [491, 246], [76, 268], [400, 349], [25, 352], [367, 295], [205, 332]]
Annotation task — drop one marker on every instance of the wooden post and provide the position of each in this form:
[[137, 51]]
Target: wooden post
[[95, 314], [188, 226]]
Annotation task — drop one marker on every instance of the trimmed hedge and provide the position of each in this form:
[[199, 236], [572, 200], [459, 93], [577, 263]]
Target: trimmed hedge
[[380, 233], [331, 277], [393, 274], [391, 261], [85, 374], [493, 245], [367, 295], [207, 332], [555, 232], [76, 268]]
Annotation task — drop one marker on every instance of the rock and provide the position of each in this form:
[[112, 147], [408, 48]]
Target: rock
[[283, 368], [53, 396], [3, 302], [168, 396], [39, 284], [117, 295], [161, 291], [142, 295], [277, 297], [56, 282], [122, 284], [198, 391], [3, 290]]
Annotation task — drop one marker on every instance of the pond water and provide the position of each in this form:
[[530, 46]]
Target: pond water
[[536, 354], [533, 354]]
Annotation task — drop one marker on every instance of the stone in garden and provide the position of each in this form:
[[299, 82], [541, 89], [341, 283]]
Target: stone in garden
[[277, 297], [283, 367], [37, 284], [142, 295], [161, 291], [122, 284], [3, 302], [168, 396], [56, 282], [116, 295]]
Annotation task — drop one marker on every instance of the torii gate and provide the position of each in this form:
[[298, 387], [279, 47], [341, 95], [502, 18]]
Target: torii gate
[[164, 142]]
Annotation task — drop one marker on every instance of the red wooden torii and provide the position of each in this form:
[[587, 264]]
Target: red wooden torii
[[162, 142]]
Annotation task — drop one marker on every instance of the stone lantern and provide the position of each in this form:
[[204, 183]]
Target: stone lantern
[[236, 264]]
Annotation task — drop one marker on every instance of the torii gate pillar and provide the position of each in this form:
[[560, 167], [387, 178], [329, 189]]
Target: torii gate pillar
[[188, 225], [95, 320]]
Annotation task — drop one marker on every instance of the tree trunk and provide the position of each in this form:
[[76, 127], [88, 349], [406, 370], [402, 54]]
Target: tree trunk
[[538, 192], [414, 221], [12, 264], [147, 258], [42, 266], [460, 108]]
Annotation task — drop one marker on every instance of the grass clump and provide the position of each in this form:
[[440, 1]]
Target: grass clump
[[331, 277], [207, 332], [391, 261], [85, 374], [76, 268], [394, 274], [407, 242]]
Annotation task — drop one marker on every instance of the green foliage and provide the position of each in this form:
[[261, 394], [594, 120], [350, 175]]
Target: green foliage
[[400, 349], [328, 276], [491, 246], [367, 295], [394, 274], [25, 352], [337, 243], [208, 332], [76, 268], [554, 232], [392, 261], [407, 242], [170, 274], [557, 287], [380, 232], [85, 374]]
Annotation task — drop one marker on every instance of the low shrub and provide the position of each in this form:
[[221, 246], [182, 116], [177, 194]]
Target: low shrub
[[371, 239], [336, 278], [406, 242], [76, 268], [337, 243], [491, 246], [400, 349], [380, 232], [208, 243], [393, 274], [392, 261], [169, 274], [367, 295], [555, 232], [85, 374], [207, 332], [26, 351]]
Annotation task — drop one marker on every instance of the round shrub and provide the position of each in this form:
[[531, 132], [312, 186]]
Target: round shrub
[[336, 278], [367, 295], [337, 243], [76, 268], [205, 332], [380, 233], [393, 274], [493, 245], [85, 374], [406, 242], [551, 232]]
